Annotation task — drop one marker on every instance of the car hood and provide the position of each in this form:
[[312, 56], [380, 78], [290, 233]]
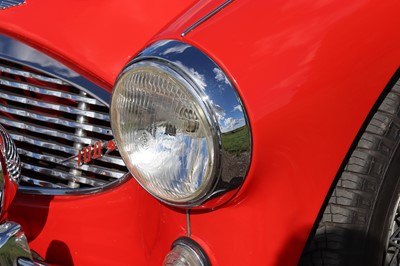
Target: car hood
[[93, 37]]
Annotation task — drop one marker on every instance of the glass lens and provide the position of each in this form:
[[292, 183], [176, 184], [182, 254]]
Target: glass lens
[[162, 132]]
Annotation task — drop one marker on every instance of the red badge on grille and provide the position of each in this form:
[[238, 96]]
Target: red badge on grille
[[95, 151]]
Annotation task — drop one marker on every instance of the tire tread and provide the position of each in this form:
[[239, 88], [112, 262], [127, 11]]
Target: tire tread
[[352, 201]]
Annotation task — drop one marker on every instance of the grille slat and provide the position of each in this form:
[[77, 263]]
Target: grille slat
[[62, 175], [46, 131], [60, 161], [39, 143], [50, 121], [27, 74], [112, 159], [53, 119], [63, 148], [47, 91], [40, 183], [55, 107]]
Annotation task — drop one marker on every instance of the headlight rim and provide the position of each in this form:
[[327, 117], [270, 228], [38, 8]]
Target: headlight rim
[[223, 181], [195, 91]]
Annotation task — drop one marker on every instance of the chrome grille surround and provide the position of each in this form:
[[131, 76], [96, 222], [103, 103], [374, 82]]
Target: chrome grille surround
[[51, 113]]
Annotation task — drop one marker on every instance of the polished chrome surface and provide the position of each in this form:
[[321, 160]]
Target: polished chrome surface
[[228, 115], [9, 156], [13, 244], [10, 171], [51, 113], [17, 52], [25, 262], [10, 3], [186, 251], [212, 13]]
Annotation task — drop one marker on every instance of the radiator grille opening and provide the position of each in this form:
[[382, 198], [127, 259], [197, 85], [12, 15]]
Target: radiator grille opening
[[50, 120]]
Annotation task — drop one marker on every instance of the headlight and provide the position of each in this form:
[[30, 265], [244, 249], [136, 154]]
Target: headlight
[[163, 132], [170, 119]]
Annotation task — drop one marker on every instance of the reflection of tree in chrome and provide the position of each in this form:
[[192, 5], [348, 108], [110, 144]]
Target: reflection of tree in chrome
[[236, 141]]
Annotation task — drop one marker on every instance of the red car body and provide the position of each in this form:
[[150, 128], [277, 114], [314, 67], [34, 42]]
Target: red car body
[[308, 72]]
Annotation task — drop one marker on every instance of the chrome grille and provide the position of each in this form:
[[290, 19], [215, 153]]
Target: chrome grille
[[50, 120]]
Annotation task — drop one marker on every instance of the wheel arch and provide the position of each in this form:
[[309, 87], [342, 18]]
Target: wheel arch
[[395, 78]]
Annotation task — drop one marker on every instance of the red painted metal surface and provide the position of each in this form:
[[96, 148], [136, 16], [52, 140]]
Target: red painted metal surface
[[124, 226], [308, 72], [93, 37]]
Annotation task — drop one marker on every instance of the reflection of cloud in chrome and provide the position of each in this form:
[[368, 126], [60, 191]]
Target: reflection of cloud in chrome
[[158, 45], [220, 76], [28, 54], [237, 108], [227, 123], [196, 76], [172, 163], [176, 49], [230, 123], [219, 111]]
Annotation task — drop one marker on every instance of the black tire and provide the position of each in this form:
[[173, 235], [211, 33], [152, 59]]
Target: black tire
[[361, 215]]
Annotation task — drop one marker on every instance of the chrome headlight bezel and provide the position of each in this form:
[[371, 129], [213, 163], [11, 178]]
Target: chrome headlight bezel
[[223, 109]]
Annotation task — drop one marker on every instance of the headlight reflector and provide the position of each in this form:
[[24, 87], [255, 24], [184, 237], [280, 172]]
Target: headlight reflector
[[163, 132]]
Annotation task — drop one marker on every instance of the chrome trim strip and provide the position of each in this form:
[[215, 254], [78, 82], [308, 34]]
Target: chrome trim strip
[[40, 183], [46, 131], [100, 171], [42, 143], [73, 192], [27, 74], [21, 53], [59, 147], [63, 175], [54, 120], [56, 107], [88, 168], [209, 15], [42, 90], [63, 148], [112, 159]]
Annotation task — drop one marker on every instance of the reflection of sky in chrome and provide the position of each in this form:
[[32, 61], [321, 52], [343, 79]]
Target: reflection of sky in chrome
[[175, 163], [208, 77], [220, 76], [196, 76], [176, 49]]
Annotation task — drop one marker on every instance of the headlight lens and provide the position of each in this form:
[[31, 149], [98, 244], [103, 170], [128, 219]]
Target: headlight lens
[[163, 132]]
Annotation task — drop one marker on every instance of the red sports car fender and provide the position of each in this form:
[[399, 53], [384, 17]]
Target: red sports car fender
[[308, 73]]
